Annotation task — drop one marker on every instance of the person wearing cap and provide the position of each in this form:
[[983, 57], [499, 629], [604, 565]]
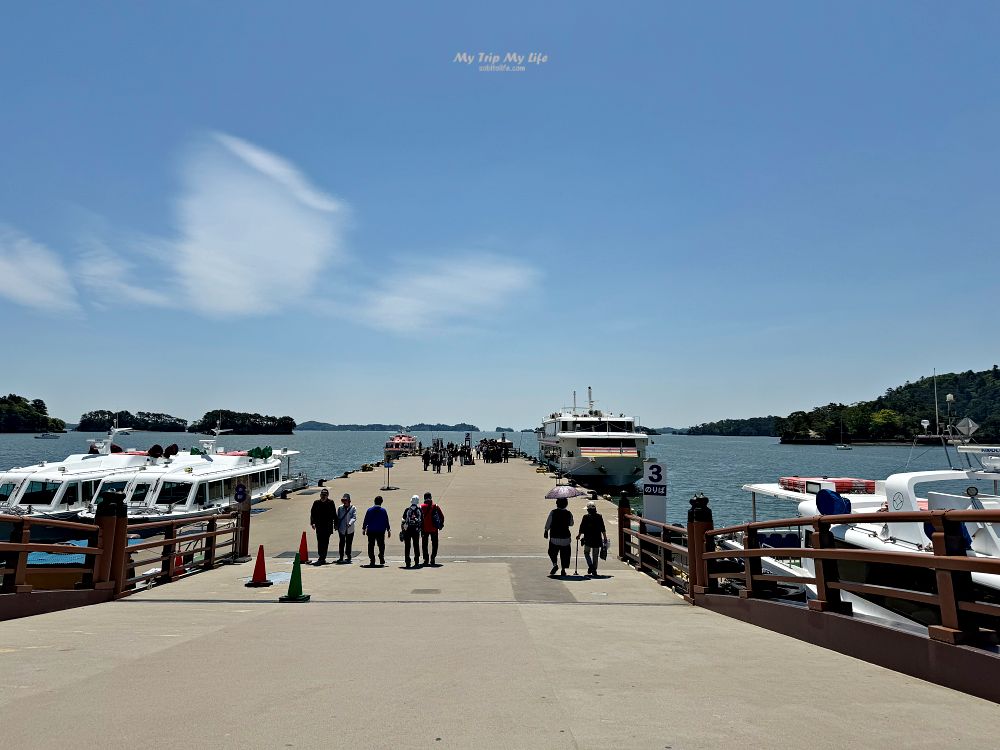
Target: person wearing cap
[[321, 518], [347, 516], [594, 535], [409, 531], [375, 525]]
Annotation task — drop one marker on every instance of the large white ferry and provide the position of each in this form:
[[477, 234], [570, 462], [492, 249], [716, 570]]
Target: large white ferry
[[599, 450]]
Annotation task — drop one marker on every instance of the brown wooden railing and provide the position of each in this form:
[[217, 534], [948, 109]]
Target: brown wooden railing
[[112, 568], [691, 561]]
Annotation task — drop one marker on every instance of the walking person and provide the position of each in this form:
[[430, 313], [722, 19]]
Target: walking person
[[557, 531], [432, 521], [426, 458], [374, 526], [347, 516], [451, 460], [594, 535], [321, 517], [410, 530]]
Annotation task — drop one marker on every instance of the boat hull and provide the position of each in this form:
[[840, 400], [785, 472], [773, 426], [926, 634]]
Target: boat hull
[[606, 474]]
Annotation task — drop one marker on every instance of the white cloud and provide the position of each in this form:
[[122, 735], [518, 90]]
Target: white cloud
[[32, 275], [252, 232], [106, 274], [449, 291]]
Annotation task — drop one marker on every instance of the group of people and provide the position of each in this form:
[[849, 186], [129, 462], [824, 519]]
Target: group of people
[[418, 531], [592, 533], [493, 451]]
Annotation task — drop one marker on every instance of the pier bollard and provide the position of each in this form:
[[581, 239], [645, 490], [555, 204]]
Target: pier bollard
[[699, 521], [243, 547]]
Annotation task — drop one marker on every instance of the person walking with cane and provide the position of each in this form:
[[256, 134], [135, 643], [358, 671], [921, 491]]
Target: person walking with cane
[[557, 531], [595, 537]]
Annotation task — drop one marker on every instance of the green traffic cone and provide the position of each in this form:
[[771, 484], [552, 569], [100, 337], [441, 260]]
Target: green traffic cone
[[295, 585]]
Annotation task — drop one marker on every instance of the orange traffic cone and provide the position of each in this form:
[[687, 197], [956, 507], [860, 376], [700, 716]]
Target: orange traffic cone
[[303, 550], [178, 565], [259, 574]]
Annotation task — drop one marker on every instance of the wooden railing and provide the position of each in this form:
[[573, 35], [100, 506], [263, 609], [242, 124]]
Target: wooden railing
[[690, 560], [112, 567]]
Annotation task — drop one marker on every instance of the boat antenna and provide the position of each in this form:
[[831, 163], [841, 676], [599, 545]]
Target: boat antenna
[[937, 415], [590, 400], [574, 402]]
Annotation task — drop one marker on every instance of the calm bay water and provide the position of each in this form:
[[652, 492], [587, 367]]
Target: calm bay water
[[717, 466]]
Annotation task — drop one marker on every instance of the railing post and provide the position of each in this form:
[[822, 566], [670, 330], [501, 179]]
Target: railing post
[[699, 521], [17, 582], [209, 561], [752, 566], [623, 510], [106, 524], [241, 550], [826, 571], [167, 563], [666, 559], [952, 585]]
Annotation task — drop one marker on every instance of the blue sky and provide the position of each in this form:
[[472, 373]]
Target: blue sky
[[701, 211]]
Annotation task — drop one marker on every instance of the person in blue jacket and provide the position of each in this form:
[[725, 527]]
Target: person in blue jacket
[[374, 526]]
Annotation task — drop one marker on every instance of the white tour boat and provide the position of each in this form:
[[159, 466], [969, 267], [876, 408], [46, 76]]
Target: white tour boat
[[400, 444], [598, 450], [206, 482], [60, 490], [939, 490]]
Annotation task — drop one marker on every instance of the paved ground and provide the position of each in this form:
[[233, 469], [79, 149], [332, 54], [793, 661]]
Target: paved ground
[[483, 651]]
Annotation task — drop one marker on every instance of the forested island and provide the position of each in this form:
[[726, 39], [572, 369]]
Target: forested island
[[243, 423], [18, 414], [503, 429], [377, 427], [102, 419], [892, 417]]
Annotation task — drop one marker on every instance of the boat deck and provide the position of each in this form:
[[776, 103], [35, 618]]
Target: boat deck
[[483, 651]]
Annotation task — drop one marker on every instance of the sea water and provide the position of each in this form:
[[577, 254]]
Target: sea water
[[715, 466]]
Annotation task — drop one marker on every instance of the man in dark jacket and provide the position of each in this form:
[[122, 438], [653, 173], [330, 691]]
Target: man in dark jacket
[[433, 521], [426, 457], [321, 518], [374, 526]]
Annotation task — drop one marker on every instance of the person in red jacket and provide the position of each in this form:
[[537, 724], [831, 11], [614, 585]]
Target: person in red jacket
[[433, 522]]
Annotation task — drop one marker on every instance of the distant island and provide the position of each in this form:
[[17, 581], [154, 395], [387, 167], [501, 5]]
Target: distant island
[[18, 414], [244, 423], [528, 429], [101, 420], [503, 429], [378, 427], [894, 416]]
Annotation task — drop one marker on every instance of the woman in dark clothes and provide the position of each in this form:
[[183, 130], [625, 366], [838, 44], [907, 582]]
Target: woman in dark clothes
[[594, 535], [560, 538]]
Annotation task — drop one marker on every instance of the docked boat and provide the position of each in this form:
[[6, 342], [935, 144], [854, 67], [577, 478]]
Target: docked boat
[[206, 482], [61, 490], [47, 436], [897, 494], [400, 444], [597, 449]]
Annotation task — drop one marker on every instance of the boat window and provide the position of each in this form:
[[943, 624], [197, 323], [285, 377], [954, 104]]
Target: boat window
[[88, 491], [215, 491], [606, 442], [71, 495], [106, 487], [272, 476], [6, 490], [228, 486], [39, 493], [173, 493], [139, 493]]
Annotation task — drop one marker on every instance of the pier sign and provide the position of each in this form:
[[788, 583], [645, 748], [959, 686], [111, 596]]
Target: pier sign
[[654, 491]]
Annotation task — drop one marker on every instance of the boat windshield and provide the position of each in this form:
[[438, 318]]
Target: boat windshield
[[39, 493], [173, 493], [610, 426], [6, 490], [107, 487]]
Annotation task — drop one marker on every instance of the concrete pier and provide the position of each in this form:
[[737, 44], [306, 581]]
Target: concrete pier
[[483, 651]]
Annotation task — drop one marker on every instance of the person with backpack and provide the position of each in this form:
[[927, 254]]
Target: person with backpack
[[409, 531], [347, 516], [595, 537], [432, 522], [557, 531], [375, 526]]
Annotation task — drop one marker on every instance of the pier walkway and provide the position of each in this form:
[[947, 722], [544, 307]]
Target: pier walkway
[[483, 651]]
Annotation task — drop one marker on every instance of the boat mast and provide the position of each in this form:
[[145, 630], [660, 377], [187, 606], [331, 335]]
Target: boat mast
[[937, 416], [590, 400]]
